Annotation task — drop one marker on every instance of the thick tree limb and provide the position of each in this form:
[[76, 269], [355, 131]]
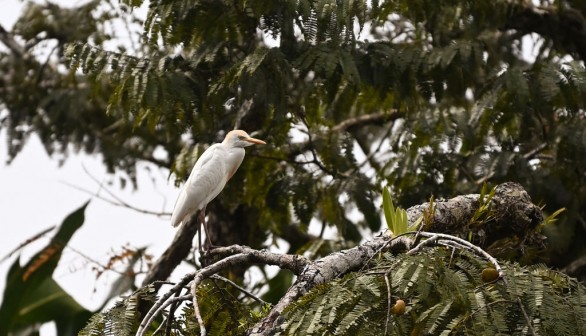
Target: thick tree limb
[[511, 215], [512, 212], [174, 254], [566, 27], [8, 40]]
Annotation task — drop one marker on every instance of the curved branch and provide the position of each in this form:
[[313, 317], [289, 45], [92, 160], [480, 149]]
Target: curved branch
[[232, 256], [511, 205], [8, 40], [566, 27], [347, 125]]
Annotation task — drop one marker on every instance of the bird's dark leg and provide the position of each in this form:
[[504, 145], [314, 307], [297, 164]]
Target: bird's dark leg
[[208, 244], [201, 218]]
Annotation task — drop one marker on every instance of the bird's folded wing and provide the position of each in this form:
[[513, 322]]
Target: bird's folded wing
[[207, 176]]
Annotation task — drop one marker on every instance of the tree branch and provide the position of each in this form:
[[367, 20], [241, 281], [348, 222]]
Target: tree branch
[[566, 27], [241, 255], [174, 254], [510, 207], [347, 125], [8, 40], [509, 198], [324, 270]]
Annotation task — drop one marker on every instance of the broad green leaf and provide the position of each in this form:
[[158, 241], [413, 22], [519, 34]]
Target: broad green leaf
[[31, 295]]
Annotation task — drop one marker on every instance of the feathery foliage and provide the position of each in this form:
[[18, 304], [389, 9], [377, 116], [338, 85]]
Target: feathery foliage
[[444, 295], [122, 319]]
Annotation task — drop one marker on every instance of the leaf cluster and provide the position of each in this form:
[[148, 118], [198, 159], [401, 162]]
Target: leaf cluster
[[444, 295]]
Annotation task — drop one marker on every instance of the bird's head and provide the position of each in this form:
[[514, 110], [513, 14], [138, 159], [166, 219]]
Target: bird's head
[[239, 138]]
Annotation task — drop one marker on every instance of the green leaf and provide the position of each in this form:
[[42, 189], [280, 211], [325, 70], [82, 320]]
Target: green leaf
[[388, 208], [32, 296]]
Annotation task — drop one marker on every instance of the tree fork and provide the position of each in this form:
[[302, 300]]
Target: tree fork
[[510, 205]]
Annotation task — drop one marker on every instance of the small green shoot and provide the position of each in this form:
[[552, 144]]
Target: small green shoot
[[482, 214], [553, 217], [396, 218], [429, 213]]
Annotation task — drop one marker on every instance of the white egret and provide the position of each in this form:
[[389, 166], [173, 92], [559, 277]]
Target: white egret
[[209, 176]]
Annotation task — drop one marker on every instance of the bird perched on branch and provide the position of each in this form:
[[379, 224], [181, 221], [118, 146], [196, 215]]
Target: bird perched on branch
[[209, 176]]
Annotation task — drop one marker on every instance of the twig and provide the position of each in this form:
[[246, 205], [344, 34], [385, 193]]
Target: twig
[[459, 242], [374, 118], [207, 272], [169, 323], [420, 246], [171, 302], [94, 261], [465, 244], [241, 255], [26, 242], [387, 282], [118, 199], [244, 291], [202, 327], [117, 202], [370, 155], [158, 306], [367, 119], [293, 262], [316, 160], [160, 327], [530, 154]]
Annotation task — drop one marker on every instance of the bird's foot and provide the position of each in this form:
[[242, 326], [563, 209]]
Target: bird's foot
[[209, 247]]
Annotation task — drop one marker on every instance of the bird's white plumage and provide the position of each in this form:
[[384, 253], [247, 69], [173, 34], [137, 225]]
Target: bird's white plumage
[[209, 175]]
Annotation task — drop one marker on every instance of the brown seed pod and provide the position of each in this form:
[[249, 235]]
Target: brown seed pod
[[399, 307], [489, 274]]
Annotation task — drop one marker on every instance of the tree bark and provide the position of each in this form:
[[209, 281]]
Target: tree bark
[[565, 27], [174, 254], [511, 213]]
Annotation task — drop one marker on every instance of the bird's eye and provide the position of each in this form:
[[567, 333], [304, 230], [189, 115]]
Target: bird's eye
[[241, 137]]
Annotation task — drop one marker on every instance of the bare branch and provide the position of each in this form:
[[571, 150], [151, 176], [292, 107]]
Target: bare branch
[[566, 27], [116, 203], [160, 303], [240, 255], [28, 241], [293, 262], [8, 40], [367, 119], [120, 201], [244, 291], [510, 199], [348, 125]]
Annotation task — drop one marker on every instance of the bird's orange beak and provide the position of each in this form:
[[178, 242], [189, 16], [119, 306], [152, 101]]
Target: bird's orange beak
[[255, 141]]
